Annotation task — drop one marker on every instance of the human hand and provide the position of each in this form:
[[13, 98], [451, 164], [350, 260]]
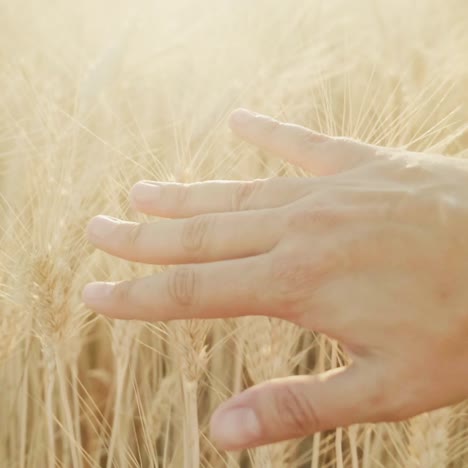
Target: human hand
[[373, 253]]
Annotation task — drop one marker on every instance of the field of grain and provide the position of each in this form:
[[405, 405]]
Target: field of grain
[[98, 94]]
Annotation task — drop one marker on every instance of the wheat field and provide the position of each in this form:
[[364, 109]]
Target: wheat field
[[98, 94]]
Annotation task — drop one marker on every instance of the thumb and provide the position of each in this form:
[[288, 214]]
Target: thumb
[[314, 152], [292, 407]]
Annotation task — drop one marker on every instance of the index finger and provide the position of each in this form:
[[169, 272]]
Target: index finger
[[315, 152]]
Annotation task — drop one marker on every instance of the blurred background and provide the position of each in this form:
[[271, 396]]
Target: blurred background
[[98, 94]]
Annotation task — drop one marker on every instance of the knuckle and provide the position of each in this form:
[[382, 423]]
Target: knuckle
[[378, 401], [179, 195], [402, 205], [122, 292], [444, 208], [195, 232], [350, 151], [386, 409], [244, 194], [135, 234], [183, 287], [387, 401], [271, 126], [293, 279], [353, 147], [310, 139], [412, 170], [305, 218], [295, 411]]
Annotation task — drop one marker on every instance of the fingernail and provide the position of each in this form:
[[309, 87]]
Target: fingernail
[[241, 116], [96, 293], [145, 191], [101, 227], [236, 427]]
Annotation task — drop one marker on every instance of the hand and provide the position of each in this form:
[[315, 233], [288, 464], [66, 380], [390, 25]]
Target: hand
[[373, 253]]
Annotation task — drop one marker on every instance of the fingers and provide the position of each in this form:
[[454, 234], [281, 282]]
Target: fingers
[[230, 288], [175, 200], [202, 238], [292, 407], [320, 154]]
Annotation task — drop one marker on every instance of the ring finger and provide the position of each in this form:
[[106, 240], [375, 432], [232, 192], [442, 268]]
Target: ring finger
[[204, 238]]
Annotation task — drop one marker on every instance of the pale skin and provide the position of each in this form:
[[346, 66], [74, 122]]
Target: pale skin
[[372, 251]]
